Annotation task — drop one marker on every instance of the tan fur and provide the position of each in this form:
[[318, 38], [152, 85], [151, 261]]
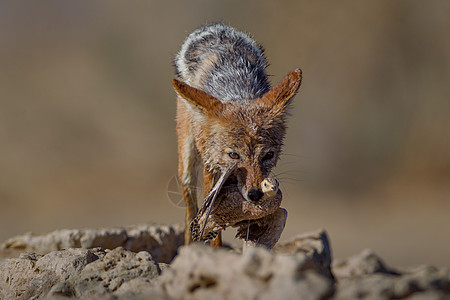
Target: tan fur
[[227, 113], [209, 129]]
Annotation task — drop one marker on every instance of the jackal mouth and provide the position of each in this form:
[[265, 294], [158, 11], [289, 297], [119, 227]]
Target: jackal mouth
[[231, 180]]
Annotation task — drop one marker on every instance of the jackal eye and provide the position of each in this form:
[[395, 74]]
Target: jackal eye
[[268, 155], [233, 155]]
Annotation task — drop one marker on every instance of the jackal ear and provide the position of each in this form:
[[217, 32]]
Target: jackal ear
[[281, 94], [198, 98]]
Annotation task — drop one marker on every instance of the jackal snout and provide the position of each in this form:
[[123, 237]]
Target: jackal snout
[[250, 180]]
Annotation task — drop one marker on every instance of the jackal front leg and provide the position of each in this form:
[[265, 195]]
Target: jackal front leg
[[187, 172]]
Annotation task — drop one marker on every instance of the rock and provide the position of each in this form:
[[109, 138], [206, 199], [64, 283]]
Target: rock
[[118, 270], [162, 241], [365, 276], [299, 268], [367, 262], [423, 280], [201, 272], [33, 275], [429, 284], [138, 289], [314, 246], [79, 273]]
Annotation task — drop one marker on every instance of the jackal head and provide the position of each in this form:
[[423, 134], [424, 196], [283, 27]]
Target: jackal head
[[249, 131]]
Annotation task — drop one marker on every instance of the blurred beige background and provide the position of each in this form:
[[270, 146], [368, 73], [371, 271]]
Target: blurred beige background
[[87, 130]]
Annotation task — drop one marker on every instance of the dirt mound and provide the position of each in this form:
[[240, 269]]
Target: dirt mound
[[132, 263]]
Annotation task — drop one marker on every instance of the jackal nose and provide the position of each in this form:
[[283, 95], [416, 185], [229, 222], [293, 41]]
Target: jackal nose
[[255, 195]]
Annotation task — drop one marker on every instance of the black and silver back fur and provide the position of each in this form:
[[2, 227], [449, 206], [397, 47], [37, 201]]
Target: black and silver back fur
[[224, 63]]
